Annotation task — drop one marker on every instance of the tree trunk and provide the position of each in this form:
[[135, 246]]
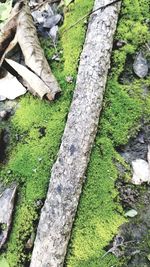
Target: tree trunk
[[68, 172]]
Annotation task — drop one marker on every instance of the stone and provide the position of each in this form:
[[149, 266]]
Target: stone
[[2, 98], [52, 21], [30, 241], [120, 43], [53, 33], [56, 57], [69, 79], [140, 66], [141, 171], [3, 114], [46, 17], [7, 197], [37, 16], [131, 213]]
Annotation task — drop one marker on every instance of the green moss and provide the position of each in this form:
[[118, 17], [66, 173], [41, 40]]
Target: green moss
[[26, 215], [122, 113], [99, 214], [73, 39], [39, 126]]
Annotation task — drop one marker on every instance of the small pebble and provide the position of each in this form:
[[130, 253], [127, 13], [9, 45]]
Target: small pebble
[[69, 79], [131, 213], [3, 114]]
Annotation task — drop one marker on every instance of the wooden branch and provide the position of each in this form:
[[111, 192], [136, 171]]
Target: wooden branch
[[89, 14], [67, 176]]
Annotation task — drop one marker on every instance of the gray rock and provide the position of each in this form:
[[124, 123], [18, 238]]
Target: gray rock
[[53, 33], [6, 209], [30, 241], [52, 21], [37, 16], [3, 114], [141, 171], [131, 213], [69, 79], [121, 43], [140, 66], [2, 98]]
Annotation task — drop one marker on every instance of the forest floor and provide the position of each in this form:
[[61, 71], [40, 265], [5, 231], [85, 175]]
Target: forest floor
[[33, 136]]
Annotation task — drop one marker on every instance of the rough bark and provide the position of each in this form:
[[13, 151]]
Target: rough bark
[[68, 172]]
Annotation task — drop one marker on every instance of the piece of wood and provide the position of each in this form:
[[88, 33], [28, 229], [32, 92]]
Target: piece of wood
[[68, 172], [33, 54]]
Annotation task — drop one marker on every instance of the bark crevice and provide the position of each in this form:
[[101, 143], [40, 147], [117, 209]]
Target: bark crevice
[[68, 172]]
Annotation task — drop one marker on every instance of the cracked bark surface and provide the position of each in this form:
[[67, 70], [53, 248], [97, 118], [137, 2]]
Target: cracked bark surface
[[68, 172]]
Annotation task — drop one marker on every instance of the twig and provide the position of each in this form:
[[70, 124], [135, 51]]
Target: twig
[[90, 13], [119, 245]]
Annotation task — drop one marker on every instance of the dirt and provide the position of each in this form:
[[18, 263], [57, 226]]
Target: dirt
[[138, 146], [7, 108], [134, 250], [4, 137]]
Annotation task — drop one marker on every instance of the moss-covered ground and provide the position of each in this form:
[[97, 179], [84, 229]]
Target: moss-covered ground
[[36, 131], [99, 213], [38, 125]]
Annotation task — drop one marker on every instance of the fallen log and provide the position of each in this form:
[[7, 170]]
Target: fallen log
[[68, 172]]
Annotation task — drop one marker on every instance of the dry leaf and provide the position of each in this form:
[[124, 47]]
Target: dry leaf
[[35, 84], [10, 87]]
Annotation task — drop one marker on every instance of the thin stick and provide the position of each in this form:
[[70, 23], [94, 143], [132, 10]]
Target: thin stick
[[90, 13]]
